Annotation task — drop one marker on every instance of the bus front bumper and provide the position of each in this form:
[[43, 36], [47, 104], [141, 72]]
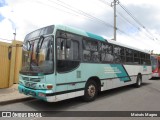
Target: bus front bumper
[[39, 94]]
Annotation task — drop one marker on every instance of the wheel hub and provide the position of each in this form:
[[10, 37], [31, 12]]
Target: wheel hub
[[91, 90]]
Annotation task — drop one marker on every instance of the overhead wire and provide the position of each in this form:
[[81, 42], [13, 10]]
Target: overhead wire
[[128, 24], [140, 28], [122, 16], [77, 12], [49, 5], [81, 12], [136, 20], [134, 26], [118, 29], [103, 1], [93, 18], [147, 33], [67, 6], [108, 4]]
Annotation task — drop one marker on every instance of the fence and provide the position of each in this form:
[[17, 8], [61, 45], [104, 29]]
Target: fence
[[9, 69]]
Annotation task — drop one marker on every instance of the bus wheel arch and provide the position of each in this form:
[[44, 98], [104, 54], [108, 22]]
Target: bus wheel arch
[[93, 85]]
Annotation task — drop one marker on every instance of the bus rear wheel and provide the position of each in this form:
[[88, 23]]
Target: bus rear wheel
[[90, 91], [139, 81]]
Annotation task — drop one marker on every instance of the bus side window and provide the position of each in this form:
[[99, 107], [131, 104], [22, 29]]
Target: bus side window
[[148, 59], [117, 57], [107, 53], [129, 56], [141, 58], [136, 57], [86, 55], [90, 50]]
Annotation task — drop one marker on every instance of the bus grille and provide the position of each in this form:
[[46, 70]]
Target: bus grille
[[31, 82], [25, 78], [30, 85], [35, 79]]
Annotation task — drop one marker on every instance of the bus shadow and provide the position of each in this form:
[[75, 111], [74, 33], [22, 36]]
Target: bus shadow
[[155, 78], [39, 105], [119, 90]]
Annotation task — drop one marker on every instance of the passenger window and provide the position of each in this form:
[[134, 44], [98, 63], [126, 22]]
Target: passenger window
[[90, 50], [117, 54], [106, 51], [136, 57], [129, 56]]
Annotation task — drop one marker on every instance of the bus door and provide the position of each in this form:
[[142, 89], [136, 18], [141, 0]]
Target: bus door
[[68, 61]]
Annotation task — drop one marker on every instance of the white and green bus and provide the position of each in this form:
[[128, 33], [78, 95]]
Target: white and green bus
[[62, 62]]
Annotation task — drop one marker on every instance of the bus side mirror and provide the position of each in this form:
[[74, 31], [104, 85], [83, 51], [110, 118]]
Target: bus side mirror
[[68, 43], [26, 46], [9, 52]]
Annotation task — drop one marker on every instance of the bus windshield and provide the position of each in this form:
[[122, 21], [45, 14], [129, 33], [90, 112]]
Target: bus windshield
[[39, 56]]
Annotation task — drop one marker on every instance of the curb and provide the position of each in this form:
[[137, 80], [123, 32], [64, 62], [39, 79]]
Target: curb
[[16, 100]]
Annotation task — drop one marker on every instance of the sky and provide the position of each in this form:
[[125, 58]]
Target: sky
[[95, 16]]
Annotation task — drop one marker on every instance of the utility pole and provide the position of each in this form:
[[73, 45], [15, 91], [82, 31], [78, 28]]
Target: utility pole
[[113, 4], [14, 35]]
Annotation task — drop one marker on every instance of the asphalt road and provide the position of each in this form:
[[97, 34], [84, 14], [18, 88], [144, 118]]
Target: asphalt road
[[145, 98]]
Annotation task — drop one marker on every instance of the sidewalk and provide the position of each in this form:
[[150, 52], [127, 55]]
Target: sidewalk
[[11, 95]]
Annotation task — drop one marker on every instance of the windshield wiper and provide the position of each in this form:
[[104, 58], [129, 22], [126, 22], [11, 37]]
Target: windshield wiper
[[27, 48], [31, 56], [39, 45]]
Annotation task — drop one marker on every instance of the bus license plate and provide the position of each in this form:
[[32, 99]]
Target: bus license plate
[[27, 92]]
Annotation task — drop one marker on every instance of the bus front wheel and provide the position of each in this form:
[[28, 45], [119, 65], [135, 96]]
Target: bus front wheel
[[90, 91]]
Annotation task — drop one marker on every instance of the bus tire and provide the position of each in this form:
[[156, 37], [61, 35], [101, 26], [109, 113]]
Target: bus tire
[[91, 91], [139, 81]]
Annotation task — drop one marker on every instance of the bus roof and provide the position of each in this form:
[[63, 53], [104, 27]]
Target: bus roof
[[94, 36], [127, 46], [79, 32]]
